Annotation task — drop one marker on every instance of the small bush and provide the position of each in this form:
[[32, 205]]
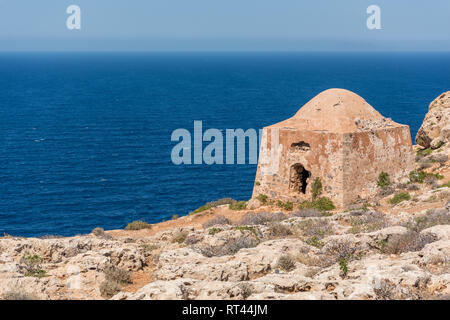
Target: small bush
[[262, 198], [213, 231], [286, 262], [19, 295], [314, 241], [109, 288], [368, 222], [399, 197], [318, 228], [237, 205], [138, 225], [219, 219], [419, 176], [180, 236], [288, 206], [213, 204], [120, 276], [321, 203], [261, 218], [446, 185], [32, 265], [100, 232], [230, 247], [342, 252], [316, 188], [306, 213], [383, 180], [433, 217], [246, 289], [175, 217], [192, 239], [279, 230], [410, 241]]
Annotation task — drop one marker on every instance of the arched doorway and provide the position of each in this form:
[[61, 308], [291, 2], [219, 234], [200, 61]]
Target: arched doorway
[[298, 179]]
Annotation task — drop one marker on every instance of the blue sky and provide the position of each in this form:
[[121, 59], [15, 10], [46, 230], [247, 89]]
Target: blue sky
[[222, 25]]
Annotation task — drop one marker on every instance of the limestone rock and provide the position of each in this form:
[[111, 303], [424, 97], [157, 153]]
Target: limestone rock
[[435, 129]]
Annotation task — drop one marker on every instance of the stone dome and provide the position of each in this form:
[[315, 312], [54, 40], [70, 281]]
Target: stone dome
[[336, 110]]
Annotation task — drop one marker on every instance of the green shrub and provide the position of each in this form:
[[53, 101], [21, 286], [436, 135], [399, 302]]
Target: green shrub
[[138, 225], [315, 242], [262, 198], [288, 206], [399, 197], [383, 180], [420, 176], [238, 205], [316, 188], [32, 265], [257, 183], [213, 204], [213, 231], [175, 217], [321, 203], [447, 184]]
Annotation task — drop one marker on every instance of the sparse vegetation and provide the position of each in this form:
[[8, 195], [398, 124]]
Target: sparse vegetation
[[419, 176], [410, 241], [118, 275], [368, 222], [213, 204], [383, 180], [180, 236], [279, 230], [175, 217], [316, 188], [286, 262], [446, 185], [237, 205], [315, 230], [109, 288], [19, 295], [31, 264], [321, 203], [230, 247], [138, 225], [261, 218], [262, 198], [246, 289], [432, 218], [213, 231], [288, 206], [314, 241], [218, 219], [310, 212], [399, 197], [100, 232]]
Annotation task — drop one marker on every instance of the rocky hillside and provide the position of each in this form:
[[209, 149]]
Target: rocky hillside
[[393, 246]]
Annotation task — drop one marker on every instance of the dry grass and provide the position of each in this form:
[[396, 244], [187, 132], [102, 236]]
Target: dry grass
[[261, 218], [219, 219], [138, 225], [286, 262], [410, 241]]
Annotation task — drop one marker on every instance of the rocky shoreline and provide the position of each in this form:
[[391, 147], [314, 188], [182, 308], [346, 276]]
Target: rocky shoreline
[[395, 245]]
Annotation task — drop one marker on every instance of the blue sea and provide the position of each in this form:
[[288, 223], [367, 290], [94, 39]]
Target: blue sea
[[85, 137]]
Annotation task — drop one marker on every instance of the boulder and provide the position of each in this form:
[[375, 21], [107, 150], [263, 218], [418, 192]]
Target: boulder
[[435, 129]]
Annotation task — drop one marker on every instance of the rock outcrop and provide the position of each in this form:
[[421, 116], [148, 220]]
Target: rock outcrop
[[435, 129]]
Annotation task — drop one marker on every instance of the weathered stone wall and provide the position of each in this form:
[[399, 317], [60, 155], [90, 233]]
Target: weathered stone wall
[[368, 153], [322, 157]]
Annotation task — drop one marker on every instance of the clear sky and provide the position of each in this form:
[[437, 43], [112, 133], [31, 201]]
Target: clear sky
[[222, 25]]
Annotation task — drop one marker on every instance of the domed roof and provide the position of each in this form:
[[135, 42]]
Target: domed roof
[[336, 110]]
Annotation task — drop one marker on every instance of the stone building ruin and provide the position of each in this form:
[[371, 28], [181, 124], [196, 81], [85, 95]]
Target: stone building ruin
[[339, 138]]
